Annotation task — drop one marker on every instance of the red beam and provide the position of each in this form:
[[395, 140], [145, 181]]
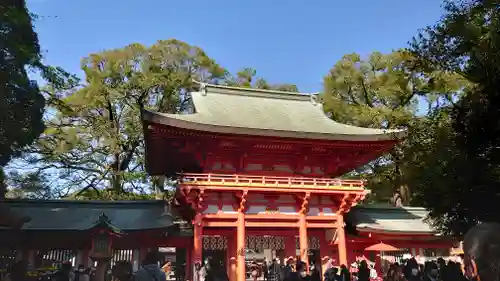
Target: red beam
[[250, 217]]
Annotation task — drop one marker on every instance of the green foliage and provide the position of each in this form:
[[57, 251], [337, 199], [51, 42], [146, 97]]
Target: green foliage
[[382, 92], [247, 78], [94, 138], [22, 109], [462, 187], [94, 141], [111, 195], [22, 104], [440, 174]]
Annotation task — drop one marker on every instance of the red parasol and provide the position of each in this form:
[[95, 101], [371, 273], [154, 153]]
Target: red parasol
[[382, 247]]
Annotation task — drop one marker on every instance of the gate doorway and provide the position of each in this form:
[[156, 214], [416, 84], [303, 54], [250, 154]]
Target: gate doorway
[[215, 247], [218, 257]]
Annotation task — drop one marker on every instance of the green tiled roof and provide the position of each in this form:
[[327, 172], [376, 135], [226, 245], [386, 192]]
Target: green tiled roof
[[390, 219], [64, 215], [231, 110], [82, 215]]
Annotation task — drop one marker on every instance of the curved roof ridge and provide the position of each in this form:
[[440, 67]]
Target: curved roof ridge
[[249, 111], [256, 92]]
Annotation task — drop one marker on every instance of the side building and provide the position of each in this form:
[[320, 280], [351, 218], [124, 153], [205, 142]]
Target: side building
[[61, 230]]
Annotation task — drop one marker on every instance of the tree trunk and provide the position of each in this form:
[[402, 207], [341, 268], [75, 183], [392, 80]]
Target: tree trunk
[[116, 180], [159, 185], [116, 183], [404, 190]]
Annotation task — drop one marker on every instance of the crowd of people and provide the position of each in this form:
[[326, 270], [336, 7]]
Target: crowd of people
[[481, 262], [66, 272], [212, 270], [411, 270], [121, 271]]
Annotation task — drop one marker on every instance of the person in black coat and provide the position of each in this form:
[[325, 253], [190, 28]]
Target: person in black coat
[[315, 272], [331, 273], [301, 271], [363, 271], [345, 275]]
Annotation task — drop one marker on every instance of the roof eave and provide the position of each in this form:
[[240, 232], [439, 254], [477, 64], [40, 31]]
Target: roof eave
[[158, 118], [125, 230], [395, 231]]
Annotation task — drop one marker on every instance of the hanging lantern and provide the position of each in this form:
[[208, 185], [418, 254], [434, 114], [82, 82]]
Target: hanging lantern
[[101, 246], [103, 233]]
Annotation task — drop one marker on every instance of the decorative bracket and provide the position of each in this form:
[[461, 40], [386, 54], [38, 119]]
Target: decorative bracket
[[203, 89], [203, 86], [200, 200], [345, 204], [303, 200], [358, 198], [314, 98], [196, 202], [242, 200]]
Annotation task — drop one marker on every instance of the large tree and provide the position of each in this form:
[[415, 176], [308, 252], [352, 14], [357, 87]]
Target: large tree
[[383, 91], [439, 171], [22, 105], [466, 41], [94, 140]]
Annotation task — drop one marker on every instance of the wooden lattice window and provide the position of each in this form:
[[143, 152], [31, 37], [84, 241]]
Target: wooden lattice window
[[214, 242], [259, 243], [312, 243]]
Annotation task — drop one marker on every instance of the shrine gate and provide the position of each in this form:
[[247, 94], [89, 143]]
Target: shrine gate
[[257, 171]]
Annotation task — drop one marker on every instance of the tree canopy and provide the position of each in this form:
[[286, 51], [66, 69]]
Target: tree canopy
[[22, 104], [462, 187], [93, 145], [384, 91]]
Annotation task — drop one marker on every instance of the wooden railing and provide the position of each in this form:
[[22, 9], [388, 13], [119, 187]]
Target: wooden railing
[[270, 181]]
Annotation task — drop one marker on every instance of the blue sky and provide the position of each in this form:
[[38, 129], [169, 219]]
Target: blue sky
[[286, 41]]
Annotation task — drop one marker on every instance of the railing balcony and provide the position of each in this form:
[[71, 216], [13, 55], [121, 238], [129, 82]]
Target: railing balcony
[[270, 181]]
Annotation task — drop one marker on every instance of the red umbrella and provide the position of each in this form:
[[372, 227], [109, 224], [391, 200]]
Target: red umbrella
[[382, 247]]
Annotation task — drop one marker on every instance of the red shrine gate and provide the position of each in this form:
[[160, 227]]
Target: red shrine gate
[[256, 168], [248, 208]]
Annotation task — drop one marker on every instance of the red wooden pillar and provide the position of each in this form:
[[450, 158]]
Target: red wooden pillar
[[85, 258], [303, 239], [197, 253], [240, 246], [232, 257], [341, 240], [325, 252], [142, 254]]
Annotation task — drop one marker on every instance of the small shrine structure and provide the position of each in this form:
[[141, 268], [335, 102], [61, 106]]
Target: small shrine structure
[[85, 232], [258, 170]]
